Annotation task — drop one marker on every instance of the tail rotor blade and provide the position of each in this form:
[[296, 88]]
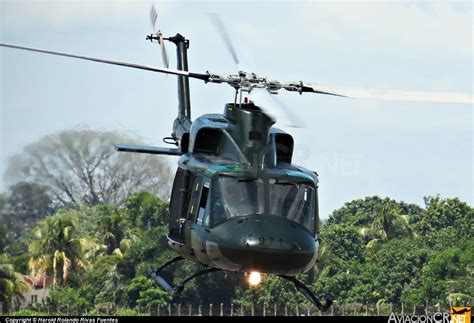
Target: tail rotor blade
[[154, 20], [164, 54], [159, 34]]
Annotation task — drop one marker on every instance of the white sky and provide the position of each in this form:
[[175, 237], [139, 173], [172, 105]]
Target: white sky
[[359, 147]]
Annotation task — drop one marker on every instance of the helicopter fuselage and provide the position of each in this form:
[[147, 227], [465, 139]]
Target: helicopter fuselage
[[238, 204]]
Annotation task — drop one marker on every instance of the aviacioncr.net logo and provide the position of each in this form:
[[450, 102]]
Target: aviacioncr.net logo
[[460, 314], [437, 317]]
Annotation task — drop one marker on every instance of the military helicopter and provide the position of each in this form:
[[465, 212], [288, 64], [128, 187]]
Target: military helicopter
[[238, 203]]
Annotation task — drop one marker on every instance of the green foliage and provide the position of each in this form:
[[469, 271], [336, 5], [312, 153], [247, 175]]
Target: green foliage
[[460, 299], [56, 249], [445, 221], [449, 272], [145, 210], [103, 283], [371, 250], [343, 241], [412, 254], [128, 312], [272, 290], [21, 263], [22, 207], [11, 284], [362, 212], [3, 201], [112, 229], [29, 313], [67, 297], [143, 291], [338, 284], [6, 238], [29, 198], [395, 265]]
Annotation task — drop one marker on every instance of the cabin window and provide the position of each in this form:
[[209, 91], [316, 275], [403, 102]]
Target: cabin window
[[216, 142], [294, 201], [236, 196], [203, 202], [175, 202], [180, 196], [207, 141], [284, 147]]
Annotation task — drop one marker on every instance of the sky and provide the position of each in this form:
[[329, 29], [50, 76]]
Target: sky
[[401, 150]]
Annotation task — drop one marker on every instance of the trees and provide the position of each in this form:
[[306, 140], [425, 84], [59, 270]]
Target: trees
[[29, 198], [389, 223], [144, 292], [445, 220], [112, 229], [6, 237], [446, 273], [145, 209], [11, 284], [412, 254], [24, 204], [361, 212], [120, 242], [81, 167], [339, 242], [55, 249]]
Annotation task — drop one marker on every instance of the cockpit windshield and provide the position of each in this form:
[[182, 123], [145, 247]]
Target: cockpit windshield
[[294, 201], [236, 196]]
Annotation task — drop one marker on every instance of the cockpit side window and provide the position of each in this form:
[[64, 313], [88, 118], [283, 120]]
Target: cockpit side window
[[179, 200], [203, 206]]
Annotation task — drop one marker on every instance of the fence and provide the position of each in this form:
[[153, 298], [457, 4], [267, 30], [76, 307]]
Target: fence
[[337, 309]]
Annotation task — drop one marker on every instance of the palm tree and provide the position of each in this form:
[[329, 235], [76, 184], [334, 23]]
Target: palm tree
[[115, 234], [111, 230], [11, 285], [56, 250], [388, 223]]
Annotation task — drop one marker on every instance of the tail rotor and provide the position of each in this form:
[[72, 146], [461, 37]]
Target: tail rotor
[[158, 35]]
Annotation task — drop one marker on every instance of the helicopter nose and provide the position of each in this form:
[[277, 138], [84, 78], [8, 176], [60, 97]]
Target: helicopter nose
[[268, 244]]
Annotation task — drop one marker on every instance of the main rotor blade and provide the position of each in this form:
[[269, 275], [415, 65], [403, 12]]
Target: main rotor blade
[[216, 19], [269, 103], [379, 94], [204, 77], [295, 122]]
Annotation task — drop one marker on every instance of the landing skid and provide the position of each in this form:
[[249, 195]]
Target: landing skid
[[175, 290], [309, 294]]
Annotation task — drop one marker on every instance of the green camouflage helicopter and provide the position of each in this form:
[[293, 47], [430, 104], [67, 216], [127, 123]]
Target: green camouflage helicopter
[[238, 203]]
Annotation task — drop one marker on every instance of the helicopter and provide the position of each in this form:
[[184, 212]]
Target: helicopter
[[238, 202]]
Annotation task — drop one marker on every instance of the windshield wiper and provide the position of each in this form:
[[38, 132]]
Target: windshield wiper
[[247, 180], [284, 183], [227, 175]]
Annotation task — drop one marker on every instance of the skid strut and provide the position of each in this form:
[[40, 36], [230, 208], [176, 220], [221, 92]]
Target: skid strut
[[309, 294], [175, 290]]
